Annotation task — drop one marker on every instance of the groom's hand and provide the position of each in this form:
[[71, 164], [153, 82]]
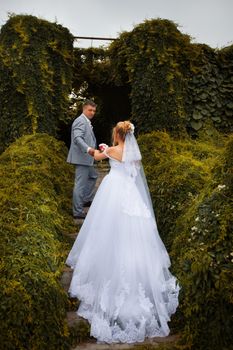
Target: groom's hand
[[91, 151]]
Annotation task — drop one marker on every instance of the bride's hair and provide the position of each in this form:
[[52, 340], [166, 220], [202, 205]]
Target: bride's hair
[[120, 131]]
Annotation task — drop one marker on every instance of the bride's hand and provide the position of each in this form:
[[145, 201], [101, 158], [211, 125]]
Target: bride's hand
[[102, 146], [99, 155], [97, 152]]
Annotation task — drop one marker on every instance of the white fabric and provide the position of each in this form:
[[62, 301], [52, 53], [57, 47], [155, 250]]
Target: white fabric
[[120, 264], [131, 151]]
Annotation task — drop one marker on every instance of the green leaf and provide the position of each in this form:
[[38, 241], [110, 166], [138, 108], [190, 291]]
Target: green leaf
[[216, 119], [197, 115], [196, 125]]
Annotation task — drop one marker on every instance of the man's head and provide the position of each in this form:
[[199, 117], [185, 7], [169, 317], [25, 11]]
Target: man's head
[[89, 108]]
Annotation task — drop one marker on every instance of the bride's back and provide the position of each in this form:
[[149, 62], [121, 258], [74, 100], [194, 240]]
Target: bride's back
[[115, 152]]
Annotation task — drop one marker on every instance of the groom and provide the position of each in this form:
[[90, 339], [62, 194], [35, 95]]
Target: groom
[[81, 154]]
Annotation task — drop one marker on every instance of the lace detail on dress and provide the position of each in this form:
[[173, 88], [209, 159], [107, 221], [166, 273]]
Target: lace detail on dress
[[131, 317], [143, 300]]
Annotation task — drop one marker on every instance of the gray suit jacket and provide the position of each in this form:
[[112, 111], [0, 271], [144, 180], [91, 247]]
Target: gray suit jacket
[[82, 137]]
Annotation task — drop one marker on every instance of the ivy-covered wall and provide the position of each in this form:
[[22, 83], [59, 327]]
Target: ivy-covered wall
[[158, 78], [210, 90], [36, 59], [153, 75], [175, 85], [153, 58], [165, 81]]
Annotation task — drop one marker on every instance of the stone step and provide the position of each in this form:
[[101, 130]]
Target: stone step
[[73, 319], [149, 343], [66, 278], [95, 346]]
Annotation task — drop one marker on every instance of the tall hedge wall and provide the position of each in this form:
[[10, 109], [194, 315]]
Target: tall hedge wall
[[36, 60], [210, 89], [153, 57], [35, 197], [191, 187], [203, 255], [175, 85], [177, 171]]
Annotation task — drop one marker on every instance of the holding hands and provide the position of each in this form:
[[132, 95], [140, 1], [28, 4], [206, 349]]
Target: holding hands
[[102, 146], [99, 155], [92, 151]]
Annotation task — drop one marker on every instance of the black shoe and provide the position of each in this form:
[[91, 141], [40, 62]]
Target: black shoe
[[87, 204], [80, 216]]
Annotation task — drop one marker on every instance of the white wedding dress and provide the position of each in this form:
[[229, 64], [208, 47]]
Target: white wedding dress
[[120, 265]]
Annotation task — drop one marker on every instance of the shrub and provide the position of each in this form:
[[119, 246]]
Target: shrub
[[177, 171], [191, 183], [210, 89], [175, 85], [36, 60], [36, 189], [203, 258], [153, 59], [159, 77]]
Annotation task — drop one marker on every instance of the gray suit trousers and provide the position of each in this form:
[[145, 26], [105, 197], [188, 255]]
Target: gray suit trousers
[[84, 187]]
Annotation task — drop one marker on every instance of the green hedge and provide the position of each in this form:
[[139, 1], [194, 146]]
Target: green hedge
[[36, 59], [153, 58], [175, 85], [209, 92], [203, 255], [155, 75], [191, 183], [177, 171], [35, 197]]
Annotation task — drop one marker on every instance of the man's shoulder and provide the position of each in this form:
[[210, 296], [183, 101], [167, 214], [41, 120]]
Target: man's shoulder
[[79, 120]]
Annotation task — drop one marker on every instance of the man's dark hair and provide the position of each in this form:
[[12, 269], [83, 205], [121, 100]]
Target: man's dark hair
[[89, 103]]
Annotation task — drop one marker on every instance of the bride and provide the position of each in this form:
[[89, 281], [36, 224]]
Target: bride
[[120, 265]]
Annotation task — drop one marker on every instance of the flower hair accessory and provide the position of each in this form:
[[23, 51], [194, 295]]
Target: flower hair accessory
[[132, 128]]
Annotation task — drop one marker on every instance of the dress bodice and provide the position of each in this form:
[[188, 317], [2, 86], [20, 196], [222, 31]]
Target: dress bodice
[[115, 164]]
